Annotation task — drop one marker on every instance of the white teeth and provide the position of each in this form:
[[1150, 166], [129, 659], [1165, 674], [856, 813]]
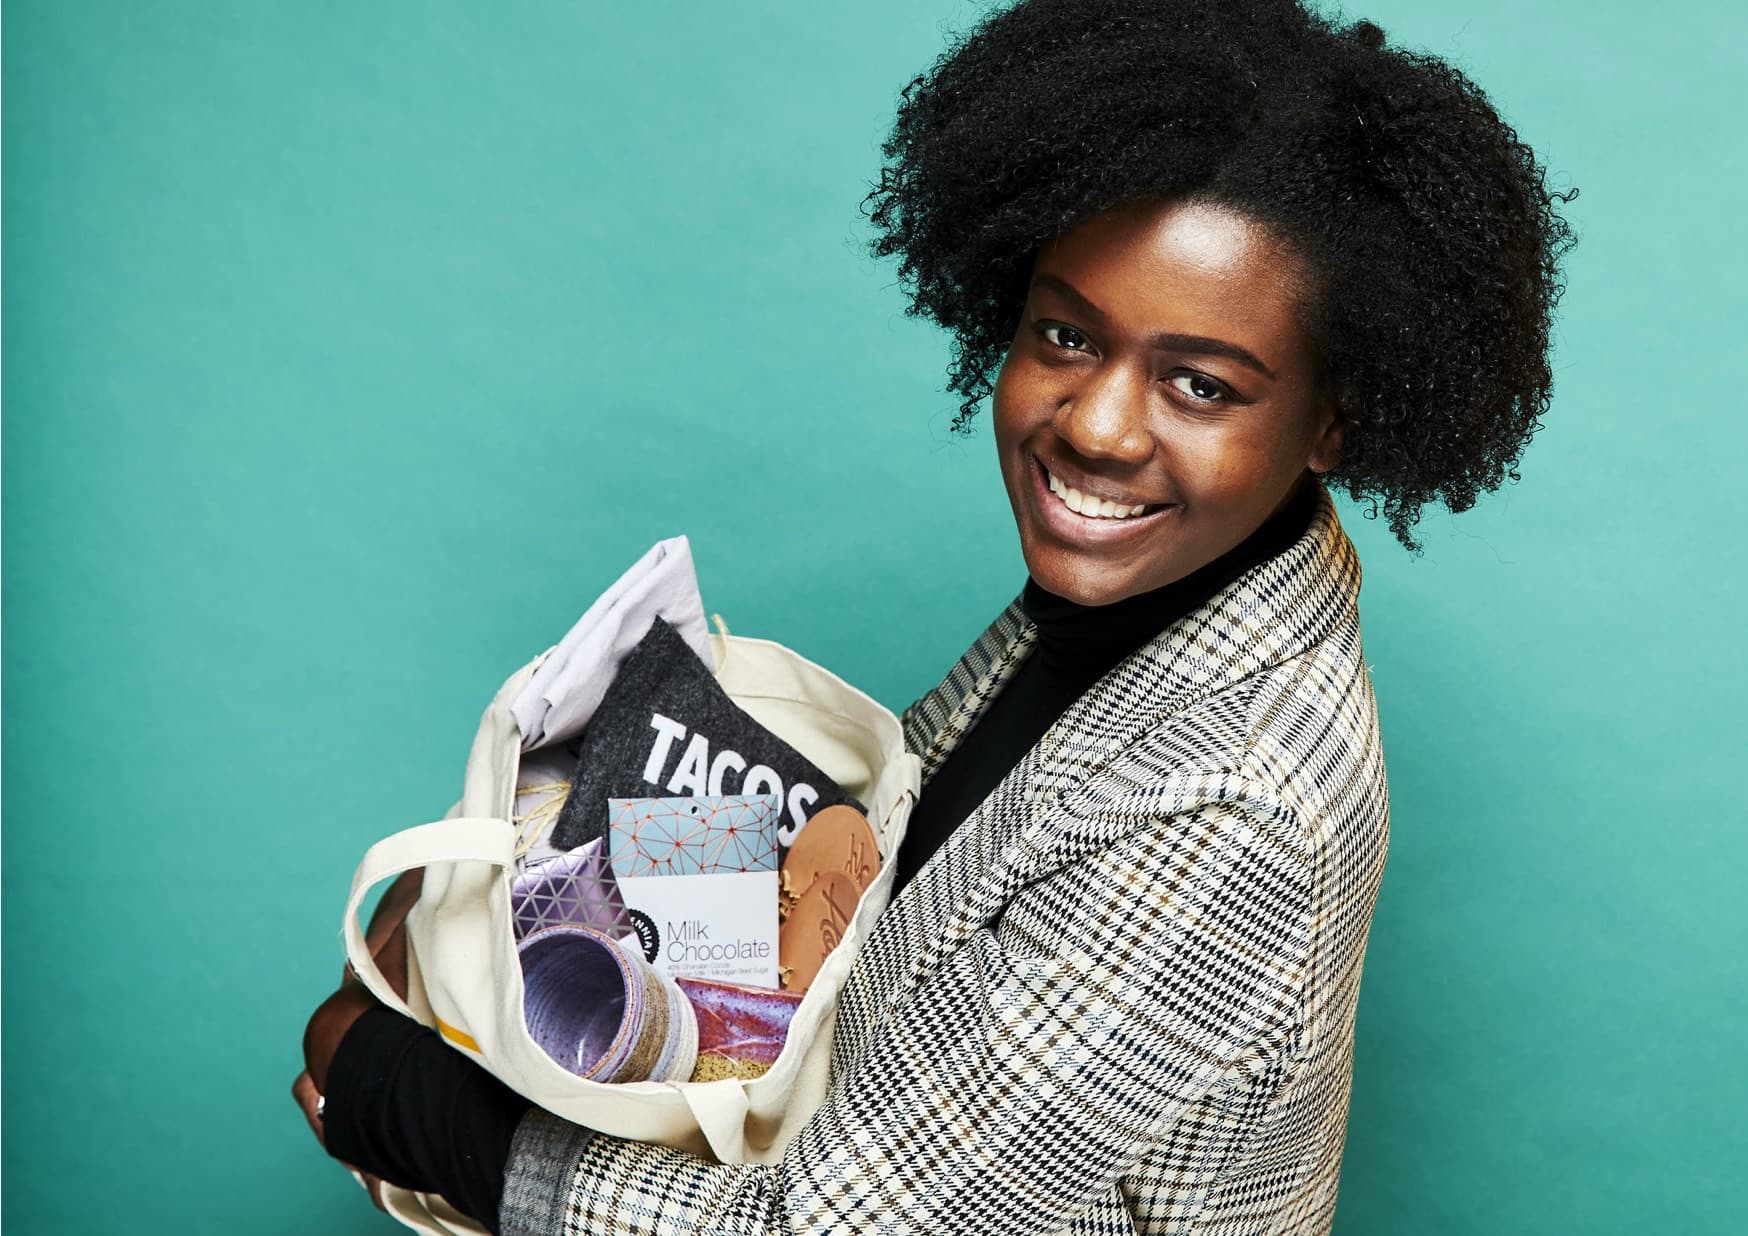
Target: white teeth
[[1092, 508]]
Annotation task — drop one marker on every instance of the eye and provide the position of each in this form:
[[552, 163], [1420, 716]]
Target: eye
[[1064, 337], [1199, 386]]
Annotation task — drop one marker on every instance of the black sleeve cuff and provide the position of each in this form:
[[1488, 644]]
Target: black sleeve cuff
[[403, 1105]]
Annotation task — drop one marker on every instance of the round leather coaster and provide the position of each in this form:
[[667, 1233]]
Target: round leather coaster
[[835, 839], [815, 924]]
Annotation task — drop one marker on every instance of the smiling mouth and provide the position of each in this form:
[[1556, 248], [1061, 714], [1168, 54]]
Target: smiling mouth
[[1090, 507]]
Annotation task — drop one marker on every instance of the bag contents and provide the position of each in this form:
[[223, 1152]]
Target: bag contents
[[700, 875], [823, 878], [666, 727], [543, 780], [602, 1011], [740, 1029], [672, 908]]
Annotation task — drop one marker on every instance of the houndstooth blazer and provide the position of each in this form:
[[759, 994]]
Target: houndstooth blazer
[[1120, 998]]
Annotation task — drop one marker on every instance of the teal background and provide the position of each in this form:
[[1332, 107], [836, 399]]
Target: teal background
[[352, 348]]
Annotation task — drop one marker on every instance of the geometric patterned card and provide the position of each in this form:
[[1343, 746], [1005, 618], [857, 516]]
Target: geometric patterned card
[[576, 887], [693, 836]]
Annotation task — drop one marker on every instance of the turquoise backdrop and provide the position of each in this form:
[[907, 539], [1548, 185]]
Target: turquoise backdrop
[[353, 347]]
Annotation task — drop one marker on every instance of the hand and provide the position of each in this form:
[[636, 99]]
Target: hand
[[304, 1093], [321, 1037], [386, 938]]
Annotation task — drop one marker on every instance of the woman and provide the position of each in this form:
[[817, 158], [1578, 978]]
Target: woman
[[1203, 258]]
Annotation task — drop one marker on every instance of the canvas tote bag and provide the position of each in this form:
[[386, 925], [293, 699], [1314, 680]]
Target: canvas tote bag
[[464, 978]]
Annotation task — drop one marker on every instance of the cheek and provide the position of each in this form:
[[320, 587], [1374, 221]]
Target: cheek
[[1219, 458], [1008, 434], [1232, 468], [1007, 402]]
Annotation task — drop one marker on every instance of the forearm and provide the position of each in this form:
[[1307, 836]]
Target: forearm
[[391, 911], [402, 1105]]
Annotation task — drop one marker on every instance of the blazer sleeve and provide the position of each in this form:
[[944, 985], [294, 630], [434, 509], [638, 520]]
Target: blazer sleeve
[[1007, 1092]]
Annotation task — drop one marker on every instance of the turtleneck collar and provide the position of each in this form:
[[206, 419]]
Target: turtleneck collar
[[1088, 640]]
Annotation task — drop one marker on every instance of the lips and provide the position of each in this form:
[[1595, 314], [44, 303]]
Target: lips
[[1078, 516], [1088, 505]]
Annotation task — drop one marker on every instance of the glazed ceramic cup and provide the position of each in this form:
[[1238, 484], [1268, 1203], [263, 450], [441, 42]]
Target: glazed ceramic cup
[[602, 1011]]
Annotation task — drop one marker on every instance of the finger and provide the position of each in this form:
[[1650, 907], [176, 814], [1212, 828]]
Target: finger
[[303, 1090]]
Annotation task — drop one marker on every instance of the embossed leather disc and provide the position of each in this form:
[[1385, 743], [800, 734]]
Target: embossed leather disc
[[815, 924], [835, 839]]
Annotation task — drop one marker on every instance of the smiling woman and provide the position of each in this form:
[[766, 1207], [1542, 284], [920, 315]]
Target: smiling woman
[[1205, 256], [1160, 400]]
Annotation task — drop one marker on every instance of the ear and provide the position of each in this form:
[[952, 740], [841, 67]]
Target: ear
[[1326, 447]]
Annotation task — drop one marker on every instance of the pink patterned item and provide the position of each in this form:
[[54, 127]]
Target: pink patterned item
[[740, 1029], [693, 836]]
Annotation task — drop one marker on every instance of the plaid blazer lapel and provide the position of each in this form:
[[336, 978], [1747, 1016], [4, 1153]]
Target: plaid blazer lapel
[[934, 724]]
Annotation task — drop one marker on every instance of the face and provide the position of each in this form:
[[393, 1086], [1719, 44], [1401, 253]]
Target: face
[[1160, 399]]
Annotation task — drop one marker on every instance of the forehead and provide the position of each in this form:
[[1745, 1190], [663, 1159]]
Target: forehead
[[1185, 267]]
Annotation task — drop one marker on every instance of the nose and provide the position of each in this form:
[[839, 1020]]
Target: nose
[[1105, 416]]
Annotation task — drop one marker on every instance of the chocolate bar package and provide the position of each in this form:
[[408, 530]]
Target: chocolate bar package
[[700, 878]]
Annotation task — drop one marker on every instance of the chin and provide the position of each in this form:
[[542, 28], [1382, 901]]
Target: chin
[[1085, 585]]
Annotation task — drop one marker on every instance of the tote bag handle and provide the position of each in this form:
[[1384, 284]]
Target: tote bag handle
[[479, 839]]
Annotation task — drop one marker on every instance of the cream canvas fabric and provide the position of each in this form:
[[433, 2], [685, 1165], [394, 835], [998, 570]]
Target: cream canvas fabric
[[465, 981]]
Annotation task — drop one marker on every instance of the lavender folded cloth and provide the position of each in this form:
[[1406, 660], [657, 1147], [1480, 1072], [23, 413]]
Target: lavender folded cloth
[[602, 1011]]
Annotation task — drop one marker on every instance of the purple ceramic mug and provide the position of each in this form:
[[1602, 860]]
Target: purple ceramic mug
[[603, 1012]]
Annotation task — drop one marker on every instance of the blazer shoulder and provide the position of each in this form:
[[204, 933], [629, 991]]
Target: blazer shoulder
[[1297, 742], [1313, 738]]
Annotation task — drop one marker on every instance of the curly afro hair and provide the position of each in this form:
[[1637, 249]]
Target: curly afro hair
[[1433, 235]]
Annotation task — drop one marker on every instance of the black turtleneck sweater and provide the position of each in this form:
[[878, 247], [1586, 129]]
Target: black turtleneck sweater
[[403, 1106], [1077, 645]]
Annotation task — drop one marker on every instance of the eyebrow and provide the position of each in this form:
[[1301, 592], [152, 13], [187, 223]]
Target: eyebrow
[[1202, 345]]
